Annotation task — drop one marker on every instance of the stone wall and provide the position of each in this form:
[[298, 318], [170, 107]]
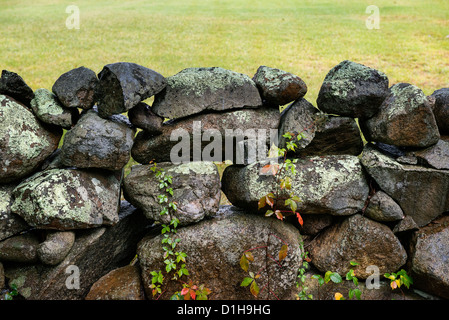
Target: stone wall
[[372, 178]]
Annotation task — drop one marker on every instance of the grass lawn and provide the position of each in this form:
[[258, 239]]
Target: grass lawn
[[304, 37]]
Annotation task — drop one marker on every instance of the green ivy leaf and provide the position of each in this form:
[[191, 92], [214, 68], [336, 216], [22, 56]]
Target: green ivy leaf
[[246, 282], [335, 277]]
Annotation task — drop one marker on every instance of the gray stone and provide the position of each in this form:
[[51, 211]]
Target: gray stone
[[2, 276], [119, 284], [406, 224], [48, 109], [422, 193], [441, 109], [13, 85], [94, 253], [68, 199], [196, 191], [76, 88], [208, 137], [278, 87], [436, 156], [24, 142], [214, 248], [358, 239], [405, 119], [322, 134], [21, 248], [430, 258], [353, 90], [382, 208], [334, 136], [195, 90], [142, 117], [96, 142], [298, 118], [333, 185], [123, 85], [10, 223], [55, 247]]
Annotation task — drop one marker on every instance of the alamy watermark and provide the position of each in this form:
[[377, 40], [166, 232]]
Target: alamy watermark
[[373, 21], [249, 145], [73, 20], [73, 280]]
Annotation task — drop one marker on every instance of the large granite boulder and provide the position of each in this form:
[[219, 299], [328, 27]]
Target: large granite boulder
[[195, 90], [330, 184], [353, 90], [97, 142], [76, 88], [405, 119], [123, 85], [24, 141], [195, 185], [278, 87], [321, 134], [214, 248], [430, 258], [68, 199], [208, 137], [422, 193], [358, 239]]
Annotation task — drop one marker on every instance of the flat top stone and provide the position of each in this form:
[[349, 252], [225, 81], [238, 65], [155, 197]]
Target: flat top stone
[[194, 90]]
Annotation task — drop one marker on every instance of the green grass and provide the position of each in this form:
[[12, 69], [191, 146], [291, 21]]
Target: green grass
[[306, 38]]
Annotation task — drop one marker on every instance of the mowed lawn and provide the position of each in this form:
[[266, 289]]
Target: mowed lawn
[[306, 38]]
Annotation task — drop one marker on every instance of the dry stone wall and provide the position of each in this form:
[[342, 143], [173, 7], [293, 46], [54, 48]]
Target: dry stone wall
[[372, 178]]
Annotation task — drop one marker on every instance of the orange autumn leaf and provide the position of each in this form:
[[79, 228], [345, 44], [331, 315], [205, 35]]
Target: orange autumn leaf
[[270, 168], [299, 218]]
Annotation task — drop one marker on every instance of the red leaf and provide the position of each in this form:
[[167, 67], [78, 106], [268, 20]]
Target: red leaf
[[299, 218], [184, 291], [270, 168], [193, 294]]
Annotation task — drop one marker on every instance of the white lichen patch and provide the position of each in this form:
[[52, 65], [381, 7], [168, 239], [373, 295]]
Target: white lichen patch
[[45, 102], [198, 167], [374, 158], [406, 99], [330, 173], [54, 194], [5, 199], [198, 81], [21, 128]]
